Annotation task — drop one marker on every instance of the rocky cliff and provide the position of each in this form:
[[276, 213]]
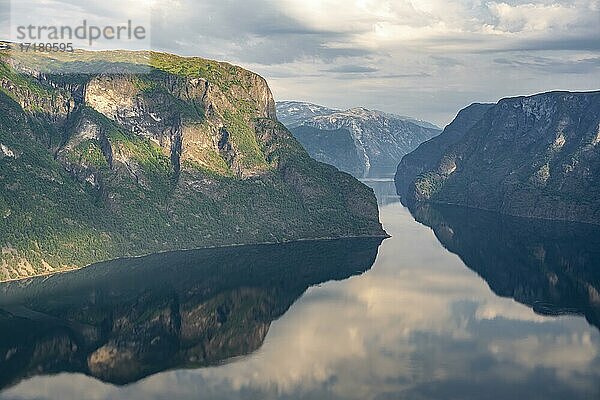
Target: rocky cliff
[[111, 154], [532, 156], [359, 141]]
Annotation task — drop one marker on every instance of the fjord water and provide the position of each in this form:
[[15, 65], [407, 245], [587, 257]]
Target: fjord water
[[458, 304]]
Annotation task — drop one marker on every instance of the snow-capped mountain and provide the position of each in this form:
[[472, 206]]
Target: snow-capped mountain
[[294, 113], [359, 141]]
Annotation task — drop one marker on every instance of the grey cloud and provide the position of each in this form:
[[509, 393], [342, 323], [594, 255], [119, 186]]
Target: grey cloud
[[5, 11], [379, 76], [550, 65], [415, 75], [285, 49], [587, 43], [352, 69], [4, 19], [94, 8], [567, 43], [253, 31], [445, 61]]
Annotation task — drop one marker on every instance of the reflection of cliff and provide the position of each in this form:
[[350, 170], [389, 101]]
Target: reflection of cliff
[[124, 320], [553, 267]]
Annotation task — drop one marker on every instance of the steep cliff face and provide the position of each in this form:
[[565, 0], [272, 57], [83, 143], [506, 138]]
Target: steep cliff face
[[426, 157], [185, 153], [379, 140], [334, 147], [532, 156]]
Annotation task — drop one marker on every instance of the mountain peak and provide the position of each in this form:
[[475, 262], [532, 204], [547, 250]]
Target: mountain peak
[[292, 113]]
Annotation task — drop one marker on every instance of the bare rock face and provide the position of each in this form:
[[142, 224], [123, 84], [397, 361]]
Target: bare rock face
[[186, 117], [6, 151], [428, 154], [528, 156], [186, 153]]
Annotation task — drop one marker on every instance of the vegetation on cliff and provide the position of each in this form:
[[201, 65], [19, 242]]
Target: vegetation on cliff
[[112, 154]]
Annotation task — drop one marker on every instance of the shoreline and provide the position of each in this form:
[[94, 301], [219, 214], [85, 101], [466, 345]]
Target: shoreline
[[65, 271], [502, 214]]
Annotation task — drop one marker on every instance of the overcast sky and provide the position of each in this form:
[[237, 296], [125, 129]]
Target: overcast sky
[[424, 58]]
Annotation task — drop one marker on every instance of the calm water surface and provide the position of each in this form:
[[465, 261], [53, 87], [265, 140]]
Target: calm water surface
[[460, 305]]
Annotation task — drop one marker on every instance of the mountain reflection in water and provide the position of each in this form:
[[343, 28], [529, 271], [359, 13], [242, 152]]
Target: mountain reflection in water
[[121, 321], [421, 324], [551, 266]]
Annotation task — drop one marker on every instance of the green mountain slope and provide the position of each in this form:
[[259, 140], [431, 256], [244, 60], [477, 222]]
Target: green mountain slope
[[112, 154]]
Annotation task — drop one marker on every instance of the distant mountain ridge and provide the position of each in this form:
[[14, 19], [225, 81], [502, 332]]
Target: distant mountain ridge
[[294, 113], [358, 141], [535, 156]]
